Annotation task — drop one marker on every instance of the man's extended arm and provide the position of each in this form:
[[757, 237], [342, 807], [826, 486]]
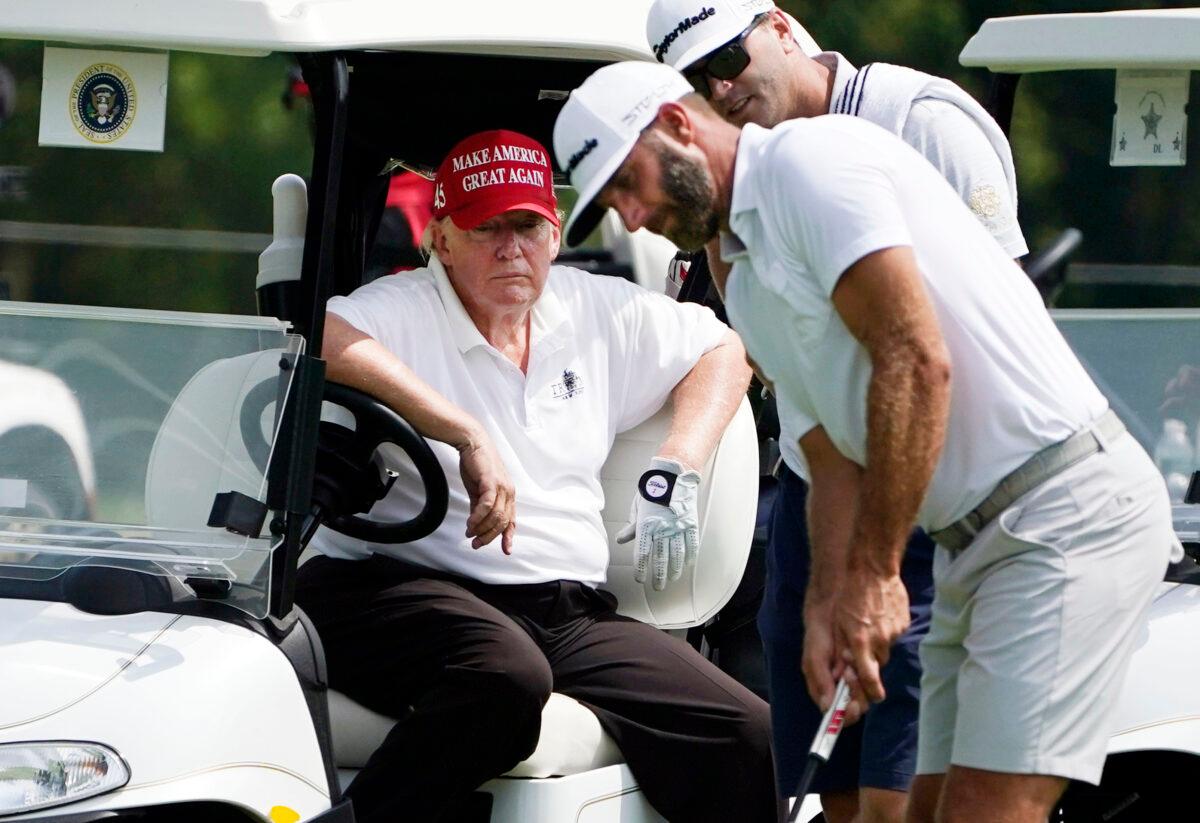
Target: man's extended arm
[[883, 302], [705, 400], [832, 509], [663, 517], [361, 362]]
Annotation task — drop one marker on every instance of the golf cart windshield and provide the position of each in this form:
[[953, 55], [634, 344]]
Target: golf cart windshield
[[1104, 156], [131, 422], [1145, 362]]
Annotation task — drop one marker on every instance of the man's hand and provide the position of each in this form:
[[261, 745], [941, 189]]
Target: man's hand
[[490, 491], [664, 520], [871, 611], [821, 663]]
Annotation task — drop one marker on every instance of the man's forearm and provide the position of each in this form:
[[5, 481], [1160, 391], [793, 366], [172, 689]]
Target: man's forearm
[[832, 509], [884, 304], [908, 403], [705, 401], [361, 362]]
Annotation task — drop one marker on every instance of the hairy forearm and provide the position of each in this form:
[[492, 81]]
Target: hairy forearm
[[705, 401], [361, 362], [832, 510], [908, 404]]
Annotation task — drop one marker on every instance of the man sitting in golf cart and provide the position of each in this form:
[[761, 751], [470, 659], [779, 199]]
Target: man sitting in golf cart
[[524, 372]]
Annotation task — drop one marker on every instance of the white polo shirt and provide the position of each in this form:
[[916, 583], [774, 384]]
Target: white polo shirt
[[604, 356], [946, 136], [812, 197]]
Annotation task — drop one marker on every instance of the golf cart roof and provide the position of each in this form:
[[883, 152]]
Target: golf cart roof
[[547, 28], [1153, 39]]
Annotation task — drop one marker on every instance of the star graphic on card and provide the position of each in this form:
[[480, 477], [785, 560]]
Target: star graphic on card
[[1151, 119]]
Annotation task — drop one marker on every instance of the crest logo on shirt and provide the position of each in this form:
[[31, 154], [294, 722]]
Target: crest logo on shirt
[[569, 386], [985, 202]]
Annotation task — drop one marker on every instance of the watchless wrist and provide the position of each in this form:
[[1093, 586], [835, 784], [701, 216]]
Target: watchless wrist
[[873, 566], [471, 437]]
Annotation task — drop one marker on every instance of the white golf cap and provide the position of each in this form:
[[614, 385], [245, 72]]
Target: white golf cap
[[599, 124], [680, 32]]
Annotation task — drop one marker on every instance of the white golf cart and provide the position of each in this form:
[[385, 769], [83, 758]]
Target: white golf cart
[[1134, 355], [152, 664]]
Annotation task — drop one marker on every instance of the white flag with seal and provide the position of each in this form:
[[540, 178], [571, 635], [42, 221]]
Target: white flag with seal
[[100, 98]]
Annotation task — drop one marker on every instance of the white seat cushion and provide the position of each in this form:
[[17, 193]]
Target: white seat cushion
[[571, 741]]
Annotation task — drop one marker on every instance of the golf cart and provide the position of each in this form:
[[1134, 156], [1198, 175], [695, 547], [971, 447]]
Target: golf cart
[[1141, 358], [153, 665]]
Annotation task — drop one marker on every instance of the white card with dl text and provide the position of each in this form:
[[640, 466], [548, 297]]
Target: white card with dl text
[[1150, 126]]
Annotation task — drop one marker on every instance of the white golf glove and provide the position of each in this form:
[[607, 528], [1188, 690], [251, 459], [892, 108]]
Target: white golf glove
[[663, 518]]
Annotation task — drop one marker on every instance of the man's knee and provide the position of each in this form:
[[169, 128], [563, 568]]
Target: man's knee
[[840, 807], [746, 760], [881, 805], [520, 692], [503, 696], [923, 797], [980, 796], [754, 728]]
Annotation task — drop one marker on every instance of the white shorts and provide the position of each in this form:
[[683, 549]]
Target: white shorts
[[1034, 623]]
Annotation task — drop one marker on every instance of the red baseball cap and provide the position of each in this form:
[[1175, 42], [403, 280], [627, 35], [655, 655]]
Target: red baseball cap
[[493, 172]]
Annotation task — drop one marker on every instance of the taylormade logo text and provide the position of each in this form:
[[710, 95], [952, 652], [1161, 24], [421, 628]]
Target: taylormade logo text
[[578, 156], [660, 51]]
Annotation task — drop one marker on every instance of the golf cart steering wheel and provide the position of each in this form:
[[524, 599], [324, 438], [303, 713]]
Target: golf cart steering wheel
[[350, 458]]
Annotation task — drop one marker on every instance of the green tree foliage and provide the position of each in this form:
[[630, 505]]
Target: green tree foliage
[[228, 136]]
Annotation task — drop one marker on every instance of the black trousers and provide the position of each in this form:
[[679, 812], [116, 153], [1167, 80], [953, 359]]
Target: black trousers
[[467, 667]]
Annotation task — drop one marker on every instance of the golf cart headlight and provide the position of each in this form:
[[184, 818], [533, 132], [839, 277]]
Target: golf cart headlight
[[40, 775]]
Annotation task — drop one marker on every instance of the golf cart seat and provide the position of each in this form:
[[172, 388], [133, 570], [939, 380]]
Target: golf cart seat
[[575, 763]]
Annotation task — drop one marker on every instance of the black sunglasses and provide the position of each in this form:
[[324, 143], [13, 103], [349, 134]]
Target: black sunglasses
[[724, 62]]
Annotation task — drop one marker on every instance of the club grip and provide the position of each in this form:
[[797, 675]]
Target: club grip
[[831, 723]]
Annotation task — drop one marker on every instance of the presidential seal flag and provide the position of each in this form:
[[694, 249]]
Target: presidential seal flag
[[103, 99]]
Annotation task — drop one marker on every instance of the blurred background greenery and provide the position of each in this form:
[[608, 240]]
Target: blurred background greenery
[[215, 174], [1061, 133]]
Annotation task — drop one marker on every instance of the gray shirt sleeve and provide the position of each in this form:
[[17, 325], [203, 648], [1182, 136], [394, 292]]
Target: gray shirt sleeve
[[953, 143]]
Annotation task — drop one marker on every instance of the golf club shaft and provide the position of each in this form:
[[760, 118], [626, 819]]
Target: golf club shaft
[[822, 746]]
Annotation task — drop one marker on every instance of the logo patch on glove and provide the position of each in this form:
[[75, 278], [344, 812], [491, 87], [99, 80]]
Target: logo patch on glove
[[656, 485]]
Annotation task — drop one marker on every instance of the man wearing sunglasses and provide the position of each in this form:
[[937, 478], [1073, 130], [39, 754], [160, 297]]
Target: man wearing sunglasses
[[755, 64]]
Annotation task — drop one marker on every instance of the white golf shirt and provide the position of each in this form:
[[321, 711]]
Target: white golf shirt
[[942, 130], [812, 197], [604, 356]]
